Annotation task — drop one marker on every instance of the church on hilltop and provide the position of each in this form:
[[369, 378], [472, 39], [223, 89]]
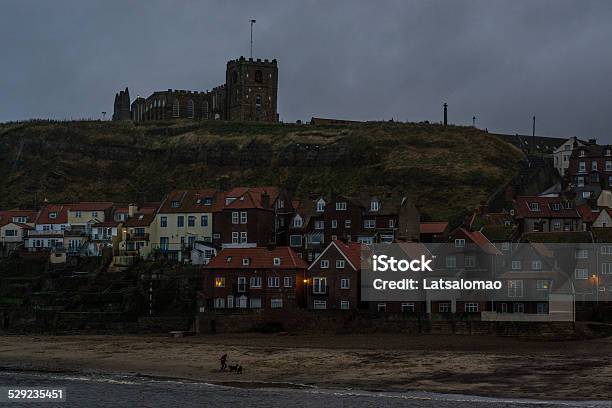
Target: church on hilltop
[[249, 94]]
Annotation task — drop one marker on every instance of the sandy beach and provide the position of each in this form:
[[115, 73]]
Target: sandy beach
[[487, 366]]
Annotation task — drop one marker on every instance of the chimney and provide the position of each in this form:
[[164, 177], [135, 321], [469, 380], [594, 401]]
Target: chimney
[[265, 200], [132, 209]]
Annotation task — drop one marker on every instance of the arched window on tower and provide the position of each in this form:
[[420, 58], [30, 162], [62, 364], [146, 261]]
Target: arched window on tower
[[205, 112], [190, 109], [175, 108]]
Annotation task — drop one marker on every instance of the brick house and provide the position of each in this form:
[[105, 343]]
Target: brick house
[[546, 214], [590, 170], [333, 279], [251, 216], [254, 278]]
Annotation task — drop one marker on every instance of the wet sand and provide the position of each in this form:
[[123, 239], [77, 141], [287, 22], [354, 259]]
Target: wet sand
[[486, 366]]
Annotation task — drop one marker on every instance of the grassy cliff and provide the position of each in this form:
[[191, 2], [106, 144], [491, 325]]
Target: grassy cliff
[[445, 170]]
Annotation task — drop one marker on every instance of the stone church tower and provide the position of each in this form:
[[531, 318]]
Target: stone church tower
[[251, 90], [122, 106]]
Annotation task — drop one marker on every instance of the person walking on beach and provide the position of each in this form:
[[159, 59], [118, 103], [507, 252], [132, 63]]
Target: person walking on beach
[[223, 362]]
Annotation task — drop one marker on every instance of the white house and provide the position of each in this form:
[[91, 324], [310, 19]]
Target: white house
[[562, 154]]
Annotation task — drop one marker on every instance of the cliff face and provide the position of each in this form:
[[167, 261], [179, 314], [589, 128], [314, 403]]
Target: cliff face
[[445, 170]]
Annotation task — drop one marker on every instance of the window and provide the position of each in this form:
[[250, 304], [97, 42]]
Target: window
[[191, 221], [204, 221], [163, 221], [460, 243], [319, 304], [608, 165], [444, 307], [582, 167], [219, 303], [341, 206], [340, 264], [297, 222], [334, 224], [391, 223], [369, 224], [536, 265], [77, 214], [556, 206], [381, 307], [345, 283], [273, 281], [581, 273], [319, 285], [288, 281], [505, 246], [606, 250], [11, 233], [594, 165], [471, 307], [518, 308], [320, 205], [319, 225], [347, 223], [344, 304], [557, 224], [374, 205], [246, 261], [258, 101], [324, 264], [235, 217], [235, 238], [219, 282], [580, 181], [53, 215], [451, 262], [515, 288], [470, 261], [276, 303], [295, 240], [230, 301], [255, 303], [255, 282], [190, 109], [258, 76], [241, 284], [542, 308], [407, 307], [277, 261], [581, 254], [542, 284], [205, 110], [243, 237], [243, 217], [180, 221], [606, 268]]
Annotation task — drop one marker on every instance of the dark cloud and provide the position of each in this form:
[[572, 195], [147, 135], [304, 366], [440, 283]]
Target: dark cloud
[[500, 61]]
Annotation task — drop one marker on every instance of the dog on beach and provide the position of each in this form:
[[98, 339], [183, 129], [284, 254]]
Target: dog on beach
[[237, 368]]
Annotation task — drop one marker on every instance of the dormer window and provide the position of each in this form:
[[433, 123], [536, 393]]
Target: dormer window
[[341, 206], [207, 200], [582, 153], [229, 200], [297, 222], [374, 205], [246, 261], [277, 261], [176, 204], [229, 259], [568, 205], [320, 205], [53, 215], [280, 204], [460, 243], [556, 206], [534, 206], [608, 152]]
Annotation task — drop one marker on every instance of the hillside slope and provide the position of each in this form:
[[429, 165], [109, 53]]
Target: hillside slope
[[445, 170]]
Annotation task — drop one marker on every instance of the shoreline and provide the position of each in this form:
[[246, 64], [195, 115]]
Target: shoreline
[[482, 367]]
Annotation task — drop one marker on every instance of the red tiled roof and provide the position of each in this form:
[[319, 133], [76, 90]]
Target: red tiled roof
[[250, 197], [259, 257], [352, 251], [433, 227], [140, 220], [90, 206], [9, 214], [587, 213], [190, 201], [545, 208], [483, 242], [60, 209]]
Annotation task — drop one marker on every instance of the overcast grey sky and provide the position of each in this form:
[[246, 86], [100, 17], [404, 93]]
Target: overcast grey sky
[[502, 61]]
